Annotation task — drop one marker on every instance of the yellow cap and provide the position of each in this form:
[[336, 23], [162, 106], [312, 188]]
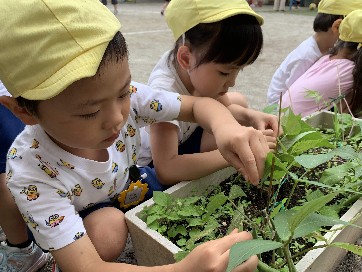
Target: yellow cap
[[339, 7], [46, 45], [182, 15], [350, 29]]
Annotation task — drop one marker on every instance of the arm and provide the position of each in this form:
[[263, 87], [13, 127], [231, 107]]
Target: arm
[[243, 147], [172, 168], [212, 256]]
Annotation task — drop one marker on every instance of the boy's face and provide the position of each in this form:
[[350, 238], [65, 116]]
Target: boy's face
[[90, 113]]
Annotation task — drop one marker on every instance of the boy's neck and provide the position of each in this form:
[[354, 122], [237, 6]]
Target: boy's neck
[[324, 41]]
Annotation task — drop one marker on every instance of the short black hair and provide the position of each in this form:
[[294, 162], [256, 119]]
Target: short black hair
[[323, 21], [116, 51], [236, 40]]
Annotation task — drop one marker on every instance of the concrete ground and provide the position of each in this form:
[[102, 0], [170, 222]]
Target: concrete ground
[[148, 37]]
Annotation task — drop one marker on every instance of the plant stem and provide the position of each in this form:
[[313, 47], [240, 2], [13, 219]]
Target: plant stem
[[263, 267], [289, 259]]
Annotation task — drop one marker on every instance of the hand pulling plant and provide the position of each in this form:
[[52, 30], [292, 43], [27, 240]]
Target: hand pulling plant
[[308, 181]]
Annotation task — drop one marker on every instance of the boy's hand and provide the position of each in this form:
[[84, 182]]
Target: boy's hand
[[245, 148], [214, 256]]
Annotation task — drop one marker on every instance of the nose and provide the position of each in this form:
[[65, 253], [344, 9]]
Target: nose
[[232, 80], [113, 117]]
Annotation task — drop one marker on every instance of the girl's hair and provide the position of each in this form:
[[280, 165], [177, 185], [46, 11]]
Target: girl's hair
[[236, 40], [356, 105], [116, 51], [323, 22], [356, 57]]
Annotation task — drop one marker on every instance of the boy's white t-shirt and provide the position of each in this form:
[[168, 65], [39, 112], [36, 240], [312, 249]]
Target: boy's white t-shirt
[[164, 77], [294, 65], [51, 186], [329, 77]]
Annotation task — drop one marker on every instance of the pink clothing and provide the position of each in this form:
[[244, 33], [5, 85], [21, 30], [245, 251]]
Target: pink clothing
[[330, 77]]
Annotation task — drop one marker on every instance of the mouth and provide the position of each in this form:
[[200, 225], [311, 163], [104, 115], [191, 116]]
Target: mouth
[[112, 138]]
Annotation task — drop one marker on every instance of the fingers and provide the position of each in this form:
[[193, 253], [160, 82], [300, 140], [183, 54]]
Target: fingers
[[248, 157], [270, 138]]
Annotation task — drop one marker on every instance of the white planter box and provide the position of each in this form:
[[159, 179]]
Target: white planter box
[[152, 249]]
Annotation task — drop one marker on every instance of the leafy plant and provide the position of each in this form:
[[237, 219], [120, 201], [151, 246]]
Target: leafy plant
[[325, 166]]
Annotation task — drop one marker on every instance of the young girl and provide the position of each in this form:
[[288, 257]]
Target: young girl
[[333, 78], [214, 41]]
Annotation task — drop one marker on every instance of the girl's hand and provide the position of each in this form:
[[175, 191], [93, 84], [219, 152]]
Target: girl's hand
[[214, 256], [270, 138], [245, 148]]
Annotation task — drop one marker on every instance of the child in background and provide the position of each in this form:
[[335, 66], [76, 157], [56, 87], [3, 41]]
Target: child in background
[[70, 81], [18, 252], [326, 23], [332, 77], [279, 5], [214, 41]]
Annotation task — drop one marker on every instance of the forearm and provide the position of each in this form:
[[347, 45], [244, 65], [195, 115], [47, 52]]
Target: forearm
[[207, 112], [189, 166]]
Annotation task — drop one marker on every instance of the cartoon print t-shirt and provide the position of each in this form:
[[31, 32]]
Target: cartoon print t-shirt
[[51, 186]]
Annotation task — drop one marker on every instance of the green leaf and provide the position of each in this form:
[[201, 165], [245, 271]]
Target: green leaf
[[187, 211], [216, 202], [237, 220], [242, 251], [161, 198], [193, 222], [311, 161], [335, 174], [236, 192], [314, 222], [302, 146], [307, 209], [181, 255], [353, 248]]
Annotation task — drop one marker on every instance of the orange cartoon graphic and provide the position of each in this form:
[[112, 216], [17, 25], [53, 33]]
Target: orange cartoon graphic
[[31, 192]]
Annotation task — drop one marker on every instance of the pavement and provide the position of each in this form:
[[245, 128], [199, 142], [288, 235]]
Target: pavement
[[148, 37]]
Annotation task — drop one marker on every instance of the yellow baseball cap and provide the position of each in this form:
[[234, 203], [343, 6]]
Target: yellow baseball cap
[[182, 15], [46, 45], [350, 29], [339, 7]]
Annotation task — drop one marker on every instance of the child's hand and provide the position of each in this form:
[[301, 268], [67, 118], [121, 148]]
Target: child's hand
[[245, 148], [257, 119], [262, 121], [270, 138], [214, 256]]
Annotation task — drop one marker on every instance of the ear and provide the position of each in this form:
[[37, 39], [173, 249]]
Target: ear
[[335, 25], [12, 105], [184, 56]]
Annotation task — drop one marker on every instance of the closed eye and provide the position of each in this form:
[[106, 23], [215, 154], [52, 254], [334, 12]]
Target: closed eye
[[89, 115]]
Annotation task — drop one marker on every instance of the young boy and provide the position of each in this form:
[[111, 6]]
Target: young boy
[[67, 70], [326, 23], [18, 252]]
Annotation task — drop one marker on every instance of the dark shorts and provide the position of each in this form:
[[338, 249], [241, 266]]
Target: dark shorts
[[10, 127]]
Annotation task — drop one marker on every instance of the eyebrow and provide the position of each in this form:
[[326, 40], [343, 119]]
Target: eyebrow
[[92, 102]]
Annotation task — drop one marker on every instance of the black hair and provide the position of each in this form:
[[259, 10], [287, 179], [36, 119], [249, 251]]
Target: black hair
[[356, 57], [236, 40], [116, 51], [356, 104], [323, 21]]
